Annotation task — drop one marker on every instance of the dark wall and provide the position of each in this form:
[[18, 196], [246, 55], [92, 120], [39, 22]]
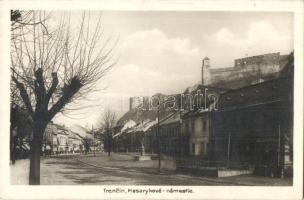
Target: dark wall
[[258, 130]]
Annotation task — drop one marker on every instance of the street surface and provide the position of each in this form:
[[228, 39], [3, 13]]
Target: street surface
[[122, 170]]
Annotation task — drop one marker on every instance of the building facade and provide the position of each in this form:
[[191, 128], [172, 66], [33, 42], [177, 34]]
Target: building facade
[[197, 126], [58, 139], [170, 135], [254, 127]]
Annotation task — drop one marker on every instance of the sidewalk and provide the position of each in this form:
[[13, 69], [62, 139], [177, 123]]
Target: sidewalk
[[19, 172], [125, 161]]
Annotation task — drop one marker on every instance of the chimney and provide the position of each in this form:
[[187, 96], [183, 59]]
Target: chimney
[[206, 71]]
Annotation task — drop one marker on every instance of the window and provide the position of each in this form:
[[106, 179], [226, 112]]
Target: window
[[203, 148], [193, 127], [187, 127], [193, 148], [204, 125]]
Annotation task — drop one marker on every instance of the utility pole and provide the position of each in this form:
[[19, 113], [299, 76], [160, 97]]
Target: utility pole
[[280, 166], [279, 146], [158, 136], [93, 139], [228, 150]]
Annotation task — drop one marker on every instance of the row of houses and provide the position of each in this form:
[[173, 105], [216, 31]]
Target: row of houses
[[251, 125], [60, 140]]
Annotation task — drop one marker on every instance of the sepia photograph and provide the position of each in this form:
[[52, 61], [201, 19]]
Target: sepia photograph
[[160, 98]]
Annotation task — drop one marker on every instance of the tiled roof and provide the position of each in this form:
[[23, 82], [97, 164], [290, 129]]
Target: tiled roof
[[268, 91]]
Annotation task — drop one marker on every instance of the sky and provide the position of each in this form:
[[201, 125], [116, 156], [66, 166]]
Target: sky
[[162, 52]]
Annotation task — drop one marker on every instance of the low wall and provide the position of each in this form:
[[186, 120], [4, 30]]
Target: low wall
[[213, 172]]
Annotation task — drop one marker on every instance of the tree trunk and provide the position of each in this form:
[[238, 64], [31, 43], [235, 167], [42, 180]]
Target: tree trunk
[[36, 144], [15, 141], [35, 163], [109, 152], [13, 144]]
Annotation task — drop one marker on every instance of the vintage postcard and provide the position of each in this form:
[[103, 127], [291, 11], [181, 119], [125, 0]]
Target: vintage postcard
[[152, 100]]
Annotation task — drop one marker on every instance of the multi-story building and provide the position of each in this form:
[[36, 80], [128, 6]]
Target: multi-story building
[[50, 139], [74, 143], [197, 126], [63, 139], [196, 121], [58, 139], [254, 125], [170, 135]]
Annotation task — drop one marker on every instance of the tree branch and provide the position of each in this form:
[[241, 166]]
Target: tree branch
[[53, 87], [40, 89], [68, 92], [24, 96]]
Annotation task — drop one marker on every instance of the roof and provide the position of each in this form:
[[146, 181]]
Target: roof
[[140, 127], [174, 118], [149, 125], [80, 130], [261, 93], [202, 88], [128, 125], [288, 68], [133, 128], [138, 115], [194, 113], [73, 135], [60, 127]]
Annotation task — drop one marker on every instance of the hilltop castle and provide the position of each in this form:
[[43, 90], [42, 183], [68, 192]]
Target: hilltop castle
[[246, 71]]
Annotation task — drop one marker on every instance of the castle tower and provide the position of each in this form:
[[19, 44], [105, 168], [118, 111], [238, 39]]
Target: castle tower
[[206, 76]]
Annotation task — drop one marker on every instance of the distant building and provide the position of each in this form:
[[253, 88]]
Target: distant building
[[58, 139], [50, 139], [63, 139], [246, 71], [74, 143]]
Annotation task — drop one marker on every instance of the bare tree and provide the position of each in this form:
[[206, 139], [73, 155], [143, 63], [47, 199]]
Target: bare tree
[[108, 121], [87, 143], [53, 68], [20, 119]]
